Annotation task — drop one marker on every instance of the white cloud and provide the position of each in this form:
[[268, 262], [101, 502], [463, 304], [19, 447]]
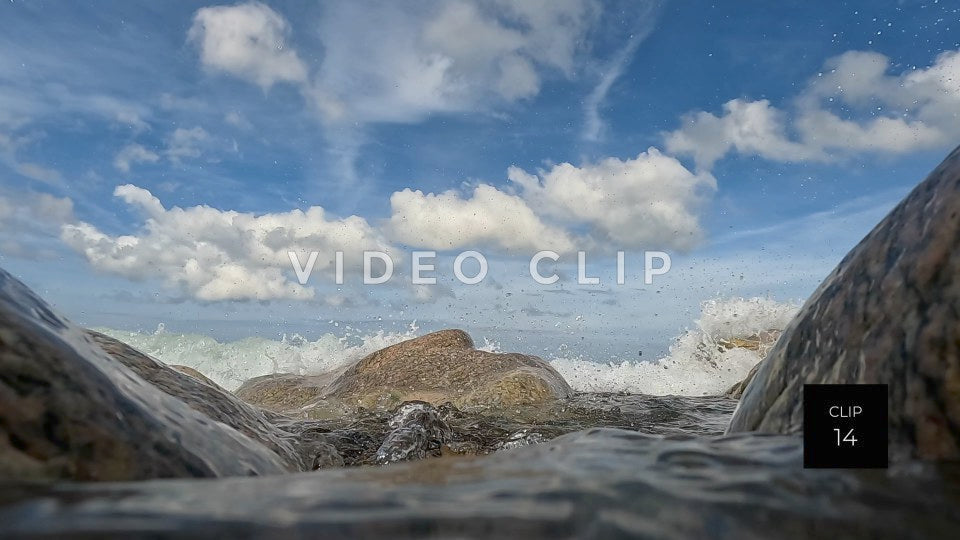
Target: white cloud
[[749, 127], [222, 255], [10, 146], [651, 201], [489, 217], [387, 62], [237, 120], [185, 143], [396, 64], [28, 220], [247, 41], [133, 153], [917, 109], [181, 144], [39, 173]]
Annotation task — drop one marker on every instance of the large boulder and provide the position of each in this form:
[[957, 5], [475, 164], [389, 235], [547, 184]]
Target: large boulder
[[890, 314], [68, 410], [216, 403], [436, 368]]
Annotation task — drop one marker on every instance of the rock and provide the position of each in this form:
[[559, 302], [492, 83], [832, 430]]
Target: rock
[[418, 431], [444, 366], [887, 314], [217, 404], [435, 368], [187, 370], [736, 391], [761, 342], [69, 411], [282, 392]]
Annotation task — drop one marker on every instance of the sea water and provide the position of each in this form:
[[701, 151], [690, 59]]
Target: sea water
[[690, 364]]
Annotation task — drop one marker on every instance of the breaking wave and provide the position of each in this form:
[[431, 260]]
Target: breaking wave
[[697, 363]]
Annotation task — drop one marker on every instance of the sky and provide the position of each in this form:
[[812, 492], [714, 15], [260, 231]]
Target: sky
[[158, 161]]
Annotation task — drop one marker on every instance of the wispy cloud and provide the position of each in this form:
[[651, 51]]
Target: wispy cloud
[[644, 18]]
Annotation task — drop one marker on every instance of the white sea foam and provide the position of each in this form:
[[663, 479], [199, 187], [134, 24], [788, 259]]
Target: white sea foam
[[230, 364], [696, 364]]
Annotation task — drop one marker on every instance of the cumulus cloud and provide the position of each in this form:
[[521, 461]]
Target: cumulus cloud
[[216, 255], [488, 217], [133, 153], [28, 220], [915, 110], [749, 127], [247, 41], [649, 201]]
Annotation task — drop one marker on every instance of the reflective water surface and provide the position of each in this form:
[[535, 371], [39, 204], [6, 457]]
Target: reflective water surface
[[680, 478]]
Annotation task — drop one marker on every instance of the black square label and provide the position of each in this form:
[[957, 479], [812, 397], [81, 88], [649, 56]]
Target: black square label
[[844, 426]]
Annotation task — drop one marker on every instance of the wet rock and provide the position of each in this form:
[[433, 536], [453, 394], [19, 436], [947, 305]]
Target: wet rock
[[327, 457], [760, 342], [887, 314], [418, 431], [522, 438], [187, 370], [436, 368], [68, 410], [736, 391], [282, 392], [217, 404], [444, 366]]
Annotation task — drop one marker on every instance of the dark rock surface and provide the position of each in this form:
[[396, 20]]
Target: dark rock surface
[[889, 314], [218, 404], [68, 410]]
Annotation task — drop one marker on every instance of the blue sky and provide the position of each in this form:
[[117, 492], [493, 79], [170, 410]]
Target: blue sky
[[756, 143]]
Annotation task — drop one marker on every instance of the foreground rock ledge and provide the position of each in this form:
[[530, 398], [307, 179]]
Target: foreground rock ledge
[[440, 367], [68, 410], [889, 314]]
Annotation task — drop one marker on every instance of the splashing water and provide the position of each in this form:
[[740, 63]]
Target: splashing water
[[696, 364], [230, 364]]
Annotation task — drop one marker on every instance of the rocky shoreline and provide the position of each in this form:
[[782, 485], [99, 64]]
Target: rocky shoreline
[[78, 408]]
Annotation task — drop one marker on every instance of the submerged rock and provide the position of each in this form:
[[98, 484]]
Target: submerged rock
[[418, 432], [889, 314], [68, 410], [219, 405], [436, 368]]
